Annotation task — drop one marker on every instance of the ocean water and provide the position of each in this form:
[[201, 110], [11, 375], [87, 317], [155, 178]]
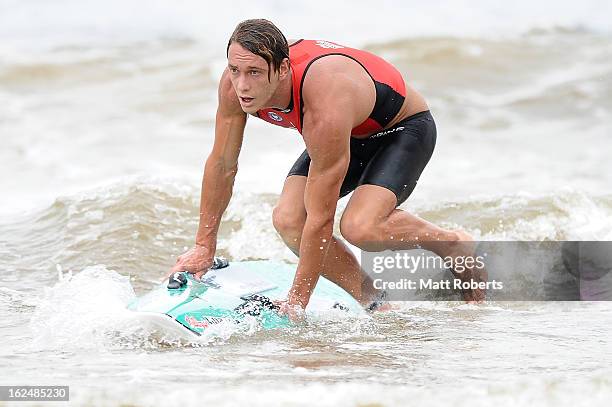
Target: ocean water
[[106, 119]]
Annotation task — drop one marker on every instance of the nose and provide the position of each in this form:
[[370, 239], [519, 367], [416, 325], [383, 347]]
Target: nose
[[243, 84]]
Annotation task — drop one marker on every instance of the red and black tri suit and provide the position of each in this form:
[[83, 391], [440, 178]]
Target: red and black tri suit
[[392, 158]]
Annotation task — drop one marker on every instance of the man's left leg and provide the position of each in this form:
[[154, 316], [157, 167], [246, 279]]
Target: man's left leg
[[372, 222]]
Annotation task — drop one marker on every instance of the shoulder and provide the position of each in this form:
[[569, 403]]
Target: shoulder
[[330, 75], [228, 100], [337, 84]]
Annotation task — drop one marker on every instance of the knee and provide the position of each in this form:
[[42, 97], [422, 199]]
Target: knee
[[287, 221], [359, 231]]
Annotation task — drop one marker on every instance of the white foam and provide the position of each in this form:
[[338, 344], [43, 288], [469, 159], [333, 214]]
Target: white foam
[[470, 389], [79, 310]]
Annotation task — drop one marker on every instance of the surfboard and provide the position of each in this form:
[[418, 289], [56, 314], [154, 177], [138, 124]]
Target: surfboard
[[229, 293]]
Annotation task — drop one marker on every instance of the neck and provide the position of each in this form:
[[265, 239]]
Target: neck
[[281, 99]]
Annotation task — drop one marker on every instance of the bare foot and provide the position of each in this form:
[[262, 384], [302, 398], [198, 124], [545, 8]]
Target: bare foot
[[465, 247], [384, 307]]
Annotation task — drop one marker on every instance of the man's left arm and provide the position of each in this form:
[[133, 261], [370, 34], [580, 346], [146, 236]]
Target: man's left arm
[[326, 131], [328, 148]]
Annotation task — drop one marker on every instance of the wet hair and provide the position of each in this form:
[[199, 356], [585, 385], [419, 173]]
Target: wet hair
[[262, 38]]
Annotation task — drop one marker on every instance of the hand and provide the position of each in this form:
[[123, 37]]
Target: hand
[[294, 311], [196, 261]]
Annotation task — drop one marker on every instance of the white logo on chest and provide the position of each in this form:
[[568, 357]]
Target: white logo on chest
[[327, 44], [275, 117]]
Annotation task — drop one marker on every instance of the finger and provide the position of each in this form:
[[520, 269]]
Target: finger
[[178, 267], [297, 316], [166, 277], [284, 310], [198, 275]]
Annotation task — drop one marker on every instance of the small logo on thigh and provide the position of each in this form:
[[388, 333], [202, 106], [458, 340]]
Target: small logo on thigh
[[383, 133]]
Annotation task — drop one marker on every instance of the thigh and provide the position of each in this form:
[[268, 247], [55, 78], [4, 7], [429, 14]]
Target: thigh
[[369, 204], [398, 164], [357, 164], [291, 202]]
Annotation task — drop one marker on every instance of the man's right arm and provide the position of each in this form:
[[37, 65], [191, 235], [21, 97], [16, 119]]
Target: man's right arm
[[222, 163], [218, 180]]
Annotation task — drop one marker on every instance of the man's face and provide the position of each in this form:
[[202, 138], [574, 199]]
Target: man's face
[[249, 76]]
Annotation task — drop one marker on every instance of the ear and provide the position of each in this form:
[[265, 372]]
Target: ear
[[283, 69]]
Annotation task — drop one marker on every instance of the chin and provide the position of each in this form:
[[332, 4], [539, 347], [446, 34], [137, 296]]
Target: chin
[[250, 109]]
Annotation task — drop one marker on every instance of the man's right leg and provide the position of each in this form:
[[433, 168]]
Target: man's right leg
[[340, 265]]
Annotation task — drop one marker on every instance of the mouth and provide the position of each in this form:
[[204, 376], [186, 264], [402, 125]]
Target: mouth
[[245, 100]]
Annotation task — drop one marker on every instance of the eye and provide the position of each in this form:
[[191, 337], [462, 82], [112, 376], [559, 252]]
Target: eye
[[233, 69], [254, 73]]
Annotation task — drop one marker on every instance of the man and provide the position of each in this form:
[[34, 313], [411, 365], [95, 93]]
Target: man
[[365, 131]]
